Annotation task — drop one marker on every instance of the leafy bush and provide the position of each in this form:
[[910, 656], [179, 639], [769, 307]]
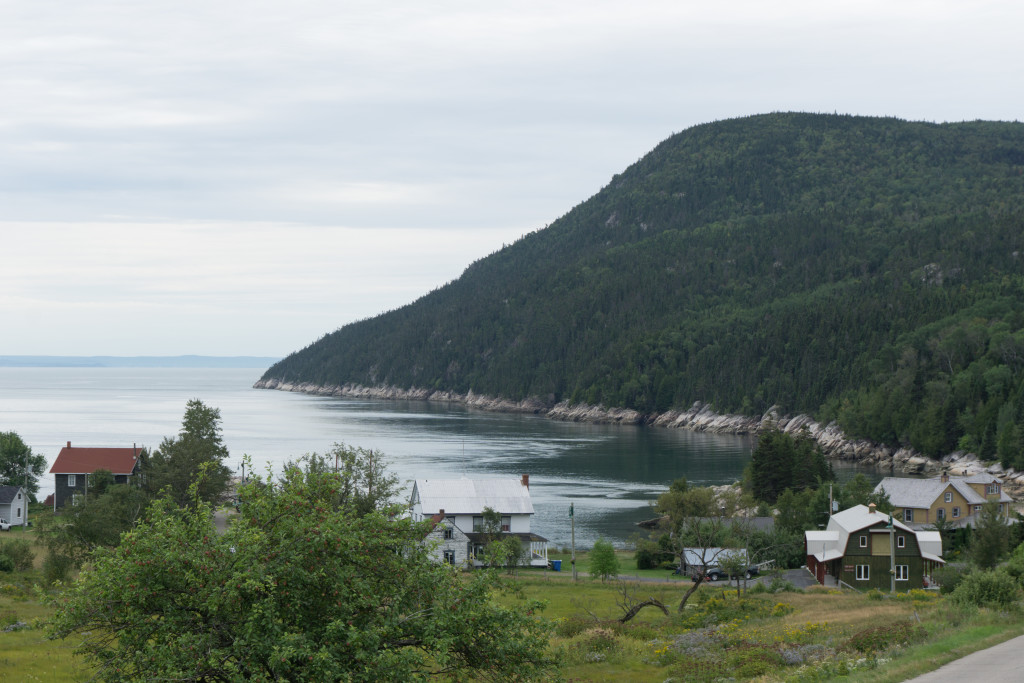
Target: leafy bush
[[875, 594], [987, 588], [649, 555], [6, 564], [567, 627], [719, 610], [20, 552], [949, 577], [57, 567], [882, 638]]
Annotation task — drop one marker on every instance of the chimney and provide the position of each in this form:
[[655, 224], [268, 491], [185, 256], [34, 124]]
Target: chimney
[[871, 508], [945, 477], [526, 481], [441, 511], [69, 444]]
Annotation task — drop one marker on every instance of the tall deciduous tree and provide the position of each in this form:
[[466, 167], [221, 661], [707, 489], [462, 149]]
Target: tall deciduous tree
[[297, 589], [603, 563], [176, 463], [17, 461]]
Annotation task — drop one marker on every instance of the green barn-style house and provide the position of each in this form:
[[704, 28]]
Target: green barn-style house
[[862, 548]]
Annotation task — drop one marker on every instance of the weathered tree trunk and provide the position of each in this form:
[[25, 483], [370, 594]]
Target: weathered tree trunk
[[635, 609], [690, 592]]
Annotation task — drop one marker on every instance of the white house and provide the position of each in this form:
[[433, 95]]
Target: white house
[[447, 542], [460, 503], [13, 505]]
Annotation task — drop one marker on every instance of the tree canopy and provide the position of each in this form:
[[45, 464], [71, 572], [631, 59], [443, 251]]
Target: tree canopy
[[178, 460], [781, 461], [17, 460], [297, 588]]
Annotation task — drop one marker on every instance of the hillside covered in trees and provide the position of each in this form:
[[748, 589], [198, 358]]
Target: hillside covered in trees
[[868, 270]]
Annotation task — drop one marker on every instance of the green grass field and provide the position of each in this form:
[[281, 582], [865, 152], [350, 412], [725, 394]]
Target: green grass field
[[786, 636]]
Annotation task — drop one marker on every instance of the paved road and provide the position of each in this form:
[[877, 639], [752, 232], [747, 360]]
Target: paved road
[[1003, 663]]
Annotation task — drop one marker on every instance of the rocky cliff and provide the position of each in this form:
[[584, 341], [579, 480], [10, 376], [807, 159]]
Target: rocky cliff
[[699, 418]]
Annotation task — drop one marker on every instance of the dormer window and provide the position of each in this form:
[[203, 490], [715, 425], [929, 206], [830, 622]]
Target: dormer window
[[992, 489]]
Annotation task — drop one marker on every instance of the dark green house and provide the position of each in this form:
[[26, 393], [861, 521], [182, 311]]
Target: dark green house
[[862, 548]]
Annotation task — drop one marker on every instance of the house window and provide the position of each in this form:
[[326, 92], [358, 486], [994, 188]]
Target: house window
[[448, 534], [18, 516], [449, 556], [863, 572], [949, 497], [991, 489], [902, 572], [908, 515], [901, 541], [71, 480], [478, 524], [863, 541], [940, 513], [19, 495], [956, 512], [506, 524]]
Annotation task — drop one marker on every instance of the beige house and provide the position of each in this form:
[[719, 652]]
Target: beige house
[[921, 503]]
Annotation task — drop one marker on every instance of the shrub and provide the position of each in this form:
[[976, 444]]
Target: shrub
[[56, 567], [883, 637], [648, 555], [568, 627], [6, 563], [987, 588], [20, 552], [949, 577], [875, 594]]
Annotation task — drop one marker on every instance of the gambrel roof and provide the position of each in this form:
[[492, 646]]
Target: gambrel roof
[[471, 496], [830, 544]]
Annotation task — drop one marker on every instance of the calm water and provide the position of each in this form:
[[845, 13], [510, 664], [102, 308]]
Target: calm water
[[611, 473]]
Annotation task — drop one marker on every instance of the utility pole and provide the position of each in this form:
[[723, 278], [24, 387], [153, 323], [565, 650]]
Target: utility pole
[[892, 558], [572, 519], [24, 520]]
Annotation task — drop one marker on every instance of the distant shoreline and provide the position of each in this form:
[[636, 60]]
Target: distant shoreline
[[187, 361]]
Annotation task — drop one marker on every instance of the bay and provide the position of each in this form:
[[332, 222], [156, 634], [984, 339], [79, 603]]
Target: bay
[[610, 473]]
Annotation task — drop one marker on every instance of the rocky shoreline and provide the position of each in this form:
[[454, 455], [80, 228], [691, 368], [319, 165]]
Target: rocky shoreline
[[699, 418]]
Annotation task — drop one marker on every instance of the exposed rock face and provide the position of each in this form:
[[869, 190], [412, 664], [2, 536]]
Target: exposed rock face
[[699, 418]]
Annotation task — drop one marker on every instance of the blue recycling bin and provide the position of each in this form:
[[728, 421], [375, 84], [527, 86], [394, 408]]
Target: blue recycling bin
[[556, 565]]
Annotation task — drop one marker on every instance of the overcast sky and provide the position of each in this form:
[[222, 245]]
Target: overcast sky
[[239, 178]]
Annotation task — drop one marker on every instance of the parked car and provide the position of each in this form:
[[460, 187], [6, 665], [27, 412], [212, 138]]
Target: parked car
[[717, 574], [4, 525]]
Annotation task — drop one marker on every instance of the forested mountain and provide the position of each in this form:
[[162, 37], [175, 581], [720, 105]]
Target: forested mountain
[[864, 269]]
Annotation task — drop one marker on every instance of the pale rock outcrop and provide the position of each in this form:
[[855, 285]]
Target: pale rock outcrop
[[699, 417]]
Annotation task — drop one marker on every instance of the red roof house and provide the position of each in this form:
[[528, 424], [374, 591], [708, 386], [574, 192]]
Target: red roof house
[[74, 464]]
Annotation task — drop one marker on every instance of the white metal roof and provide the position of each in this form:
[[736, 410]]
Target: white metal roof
[[471, 496], [831, 543]]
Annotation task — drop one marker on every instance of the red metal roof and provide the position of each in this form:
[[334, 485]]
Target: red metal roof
[[77, 460]]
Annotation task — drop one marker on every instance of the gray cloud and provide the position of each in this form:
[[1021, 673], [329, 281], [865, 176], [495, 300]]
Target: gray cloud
[[179, 136]]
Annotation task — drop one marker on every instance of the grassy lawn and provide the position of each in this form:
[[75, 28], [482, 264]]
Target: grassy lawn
[[25, 653], [813, 635]]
